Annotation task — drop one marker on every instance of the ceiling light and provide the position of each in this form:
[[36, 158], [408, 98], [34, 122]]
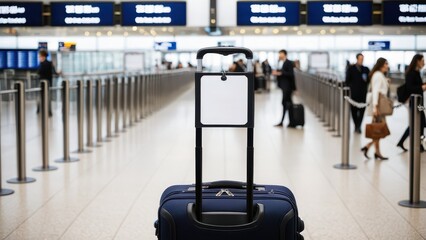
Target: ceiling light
[[164, 29], [232, 33], [323, 32], [257, 31], [299, 33], [86, 33], [381, 32], [98, 34], [295, 28], [332, 30], [134, 28], [285, 28], [243, 31], [308, 31], [109, 33], [126, 34], [171, 29], [213, 21], [275, 31], [153, 32], [351, 31]]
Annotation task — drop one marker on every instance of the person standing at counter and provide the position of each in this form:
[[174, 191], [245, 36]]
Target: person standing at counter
[[414, 85], [45, 72], [357, 81]]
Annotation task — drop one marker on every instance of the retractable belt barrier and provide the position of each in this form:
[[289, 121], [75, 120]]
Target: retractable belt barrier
[[134, 95]]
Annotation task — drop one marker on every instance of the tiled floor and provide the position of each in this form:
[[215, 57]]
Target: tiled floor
[[113, 193]]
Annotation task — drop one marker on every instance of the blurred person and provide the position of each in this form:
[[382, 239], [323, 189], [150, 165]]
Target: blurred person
[[267, 71], [46, 70], [286, 82], [240, 67], [379, 85], [259, 82], [414, 85], [357, 81], [297, 64], [179, 66]]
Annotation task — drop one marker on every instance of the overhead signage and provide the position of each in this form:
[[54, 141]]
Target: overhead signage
[[165, 46], [340, 13], [404, 13], [21, 14], [67, 46], [24, 59], [378, 45], [268, 13], [153, 13], [82, 13]]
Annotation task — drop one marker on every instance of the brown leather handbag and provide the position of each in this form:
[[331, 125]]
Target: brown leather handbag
[[377, 130], [385, 105]]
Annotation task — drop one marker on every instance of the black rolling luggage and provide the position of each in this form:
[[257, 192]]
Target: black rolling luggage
[[227, 210], [297, 115]]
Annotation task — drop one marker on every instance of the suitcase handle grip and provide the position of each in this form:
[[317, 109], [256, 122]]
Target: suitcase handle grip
[[227, 184], [226, 220], [224, 51]]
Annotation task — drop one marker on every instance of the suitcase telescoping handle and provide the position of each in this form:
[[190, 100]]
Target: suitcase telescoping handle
[[224, 51], [199, 155]]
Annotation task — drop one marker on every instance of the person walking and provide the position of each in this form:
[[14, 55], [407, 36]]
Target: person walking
[[286, 81], [414, 85], [45, 72], [379, 85], [357, 81]]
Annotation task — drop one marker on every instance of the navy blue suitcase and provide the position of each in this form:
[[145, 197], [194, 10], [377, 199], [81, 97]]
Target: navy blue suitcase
[[227, 210]]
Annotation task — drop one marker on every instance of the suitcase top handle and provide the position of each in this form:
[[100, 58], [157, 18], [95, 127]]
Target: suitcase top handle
[[224, 51]]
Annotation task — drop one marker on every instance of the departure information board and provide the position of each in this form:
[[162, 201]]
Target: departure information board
[[404, 13], [21, 14], [24, 59], [153, 13], [82, 13], [340, 13], [268, 13]]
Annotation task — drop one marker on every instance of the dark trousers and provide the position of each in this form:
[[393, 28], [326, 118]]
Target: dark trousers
[[357, 116], [407, 131], [287, 104], [50, 100]]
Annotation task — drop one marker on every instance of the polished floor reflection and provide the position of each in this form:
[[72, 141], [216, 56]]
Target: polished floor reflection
[[113, 192]]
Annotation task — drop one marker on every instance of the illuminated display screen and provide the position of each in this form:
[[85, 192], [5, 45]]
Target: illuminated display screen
[[268, 13], [340, 13], [153, 13], [404, 13], [21, 14], [24, 59], [82, 13]]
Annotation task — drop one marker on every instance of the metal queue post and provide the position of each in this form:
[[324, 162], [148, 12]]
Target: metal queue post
[[346, 133], [415, 159], [116, 105], [123, 103], [90, 142], [109, 103], [66, 124], [44, 110], [80, 117], [20, 136], [129, 100]]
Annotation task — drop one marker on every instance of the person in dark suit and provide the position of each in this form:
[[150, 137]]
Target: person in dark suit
[[357, 81], [414, 85], [286, 82], [45, 72]]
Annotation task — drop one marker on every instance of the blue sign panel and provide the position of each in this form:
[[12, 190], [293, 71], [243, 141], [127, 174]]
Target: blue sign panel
[[340, 13], [21, 14], [165, 46], [153, 13], [378, 45], [404, 13], [82, 13], [268, 13], [24, 59]]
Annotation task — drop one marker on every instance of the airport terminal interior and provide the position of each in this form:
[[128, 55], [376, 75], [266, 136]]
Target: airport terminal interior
[[100, 102]]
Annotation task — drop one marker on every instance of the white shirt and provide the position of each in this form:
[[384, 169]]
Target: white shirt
[[379, 84], [280, 65]]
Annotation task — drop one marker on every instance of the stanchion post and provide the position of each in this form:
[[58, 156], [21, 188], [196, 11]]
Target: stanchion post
[[99, 111], [415, 159], [44, 109], [123, 102], [339, 107], [3, 191], [109, 102], [80, 117], [116, 106], [66, 123], [20, 136], [90, 142], [129, 100], [136, 99], [346, 132]]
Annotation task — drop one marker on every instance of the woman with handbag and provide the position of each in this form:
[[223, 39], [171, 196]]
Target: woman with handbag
[[414, 85], [379, 90]]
